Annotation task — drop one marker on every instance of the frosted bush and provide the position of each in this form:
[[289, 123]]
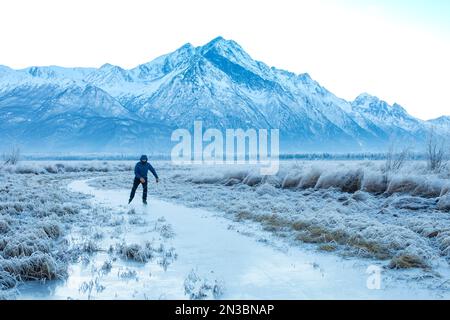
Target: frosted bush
[[444, 203], [346, 181], [291, 180], [29, 169], [253, 179], [4, 226], [7, 281], [52, 169], [445, 189], [309, 179], [135, 252], [90, 246], [443, 239], [38, 266], [199, 288], [52, 229], [19, 248], [404, 184], [407, 261], [429, 188], [374, 182], [274, 181]]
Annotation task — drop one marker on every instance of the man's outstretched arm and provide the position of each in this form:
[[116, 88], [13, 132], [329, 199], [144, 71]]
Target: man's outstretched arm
[[153, 171]]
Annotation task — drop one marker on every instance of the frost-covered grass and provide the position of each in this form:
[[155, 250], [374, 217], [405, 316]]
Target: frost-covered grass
[[58, 167], [135, 252], [44, 227], [351, 208], [35, 212], [198, 288], [354, 208]]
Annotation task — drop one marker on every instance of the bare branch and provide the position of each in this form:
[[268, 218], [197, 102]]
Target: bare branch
[[12, 157], [435, 152]]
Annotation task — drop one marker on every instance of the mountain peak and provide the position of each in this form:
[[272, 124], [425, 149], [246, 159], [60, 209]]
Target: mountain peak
[[219, 48], [217, 40], [5, 68], [369, 101], [398, 107], [187, 45], [441, 120], [108, 66], [365, 96], [223, 44]]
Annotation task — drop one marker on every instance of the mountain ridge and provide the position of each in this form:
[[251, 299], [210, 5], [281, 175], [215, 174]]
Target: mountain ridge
[[218, 83]]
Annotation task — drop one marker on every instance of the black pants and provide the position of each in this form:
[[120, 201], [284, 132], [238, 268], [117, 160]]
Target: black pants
[[136, 184]]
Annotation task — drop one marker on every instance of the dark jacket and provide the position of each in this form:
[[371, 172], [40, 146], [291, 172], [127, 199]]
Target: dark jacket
[[141, 169]]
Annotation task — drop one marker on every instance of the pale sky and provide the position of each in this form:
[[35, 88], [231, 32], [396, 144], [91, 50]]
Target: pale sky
[[398, 50]]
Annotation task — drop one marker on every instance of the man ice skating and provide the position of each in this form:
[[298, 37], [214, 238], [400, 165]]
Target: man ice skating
[[141, 176]]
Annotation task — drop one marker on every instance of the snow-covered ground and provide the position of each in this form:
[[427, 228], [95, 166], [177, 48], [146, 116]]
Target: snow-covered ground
[[309, 232]]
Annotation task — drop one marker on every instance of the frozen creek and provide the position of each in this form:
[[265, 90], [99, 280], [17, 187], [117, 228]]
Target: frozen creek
[[213, 257]]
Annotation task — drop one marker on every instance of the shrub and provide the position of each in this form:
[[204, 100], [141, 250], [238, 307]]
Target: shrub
[[39, 266], [135, 252], [407, 261]]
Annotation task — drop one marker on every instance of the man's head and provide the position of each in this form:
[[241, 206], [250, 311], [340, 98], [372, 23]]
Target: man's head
[[144, 158]]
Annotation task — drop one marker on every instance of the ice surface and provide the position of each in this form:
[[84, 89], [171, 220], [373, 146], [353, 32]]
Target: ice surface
[[215, 259]]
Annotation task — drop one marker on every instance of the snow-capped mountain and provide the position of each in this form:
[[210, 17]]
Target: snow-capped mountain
[[441, 124], [114, 109], [391, 122]]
